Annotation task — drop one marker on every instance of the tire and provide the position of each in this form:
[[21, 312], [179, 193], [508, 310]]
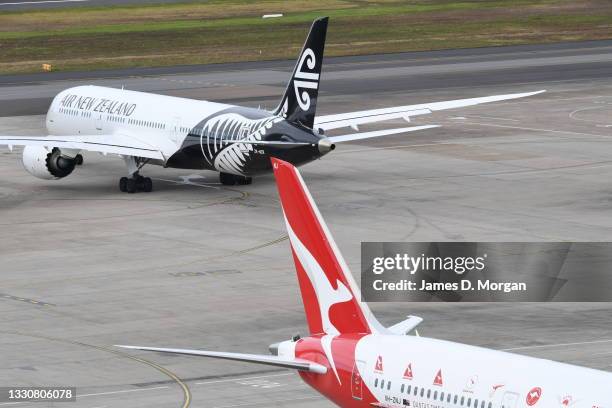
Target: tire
[[243, 181], [78, 160], [227, 179], [123, 184], [147, 185], [131, 186]]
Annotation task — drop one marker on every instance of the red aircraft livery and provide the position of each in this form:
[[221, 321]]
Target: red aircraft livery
[[342, 356]]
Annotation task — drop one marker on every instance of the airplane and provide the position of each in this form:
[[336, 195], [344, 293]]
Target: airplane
[[354, 361], [146, 128]]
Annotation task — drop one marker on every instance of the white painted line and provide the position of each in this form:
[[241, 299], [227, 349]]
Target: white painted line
[[537, 129], [493, 117], [268, 402], [187, 183], [243, 379], [19, 3], [581, 343], [121, 391], [271, 15]]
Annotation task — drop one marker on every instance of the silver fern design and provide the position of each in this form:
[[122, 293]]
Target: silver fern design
[[219, 135]]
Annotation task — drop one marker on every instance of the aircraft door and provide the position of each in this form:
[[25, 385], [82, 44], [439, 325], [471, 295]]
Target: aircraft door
[[510, 399], [357, 380], [175, 129], [99, 126]]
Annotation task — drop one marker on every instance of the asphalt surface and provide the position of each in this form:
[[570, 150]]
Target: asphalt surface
[[198, 265], [262, 83]]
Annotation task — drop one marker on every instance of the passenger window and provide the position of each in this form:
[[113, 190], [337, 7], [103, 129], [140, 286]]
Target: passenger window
[[475, 403], [462, 400], [435, 395], [448, 397], [402, 389], [376, 382], [490, 404], [389, 385], [409, 389], [442, 396], [469, 402], [455, 401], [382, 384], [416, 389], [428, 394], [422, 391]]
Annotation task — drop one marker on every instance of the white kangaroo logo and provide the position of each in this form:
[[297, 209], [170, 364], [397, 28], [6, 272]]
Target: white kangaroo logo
[[327, 296], [305, 80]]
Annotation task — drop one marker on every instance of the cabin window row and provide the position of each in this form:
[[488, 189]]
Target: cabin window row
[[71, 112], [436, 395], [146, 123]]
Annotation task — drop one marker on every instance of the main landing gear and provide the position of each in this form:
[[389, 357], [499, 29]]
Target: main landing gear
[[228, 179], [135, 182]]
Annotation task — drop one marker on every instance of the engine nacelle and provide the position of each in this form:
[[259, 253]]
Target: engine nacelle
[[47, 165]]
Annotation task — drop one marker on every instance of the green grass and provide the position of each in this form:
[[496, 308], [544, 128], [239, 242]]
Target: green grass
[[212, 32]]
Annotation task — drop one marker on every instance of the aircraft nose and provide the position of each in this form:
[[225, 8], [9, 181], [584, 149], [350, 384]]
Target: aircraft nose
[[325, 145]]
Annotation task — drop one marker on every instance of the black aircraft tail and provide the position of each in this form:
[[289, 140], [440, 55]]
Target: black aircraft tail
[[300, 100]]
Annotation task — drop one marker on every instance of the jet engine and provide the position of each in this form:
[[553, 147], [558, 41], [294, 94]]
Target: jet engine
[[48, 165]]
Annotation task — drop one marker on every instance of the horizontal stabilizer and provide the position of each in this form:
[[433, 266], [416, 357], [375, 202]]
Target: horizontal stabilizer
[[268, 142], [406, 326], [295, 364], [377, 133], [107, 144]]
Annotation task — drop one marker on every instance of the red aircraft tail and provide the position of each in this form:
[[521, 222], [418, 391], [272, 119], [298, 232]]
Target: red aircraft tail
[[329, 293]]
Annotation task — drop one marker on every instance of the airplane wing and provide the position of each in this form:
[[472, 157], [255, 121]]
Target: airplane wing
[[354, 119], [295, 364], [113, 144]]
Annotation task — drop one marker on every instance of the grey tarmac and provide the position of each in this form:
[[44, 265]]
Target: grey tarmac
[[198, 265]]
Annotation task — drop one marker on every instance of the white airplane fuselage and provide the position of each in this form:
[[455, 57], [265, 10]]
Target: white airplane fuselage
[[409, 371], [189, 133]]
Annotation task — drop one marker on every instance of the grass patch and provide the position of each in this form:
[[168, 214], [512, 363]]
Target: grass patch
[[228, 31]]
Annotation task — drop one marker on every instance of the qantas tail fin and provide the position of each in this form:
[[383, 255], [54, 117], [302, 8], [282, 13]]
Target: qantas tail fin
[[329, 293], [299, 102]]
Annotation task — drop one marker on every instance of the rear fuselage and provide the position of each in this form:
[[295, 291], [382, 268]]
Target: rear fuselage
[[190, 134], [408, 371]]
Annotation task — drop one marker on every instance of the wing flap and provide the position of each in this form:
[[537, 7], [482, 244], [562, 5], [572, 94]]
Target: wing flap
[[329, 122], [295, 364], [359, 118], [106, 144]]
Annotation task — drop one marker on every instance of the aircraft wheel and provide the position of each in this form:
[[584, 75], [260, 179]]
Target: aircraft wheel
[[147, 185], [123, 184], [227, 179], [243, 181], [131, 186], [78, 159]]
